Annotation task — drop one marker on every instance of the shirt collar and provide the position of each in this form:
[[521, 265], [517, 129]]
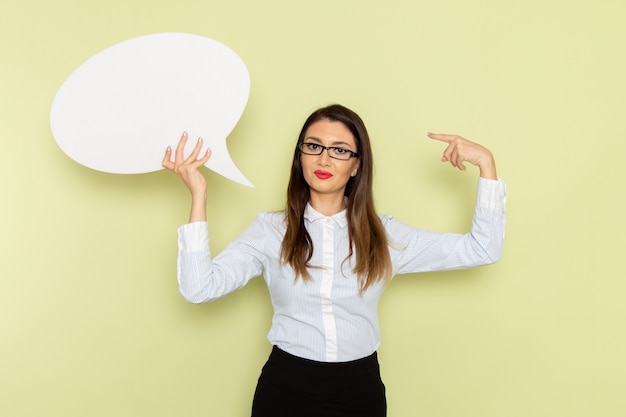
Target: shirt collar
[[313, 215]]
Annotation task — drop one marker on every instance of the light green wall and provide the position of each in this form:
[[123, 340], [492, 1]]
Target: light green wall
[[90, 317]]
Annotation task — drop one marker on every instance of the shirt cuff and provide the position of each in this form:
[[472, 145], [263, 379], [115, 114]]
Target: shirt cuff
[[193, 237], [491, 194]]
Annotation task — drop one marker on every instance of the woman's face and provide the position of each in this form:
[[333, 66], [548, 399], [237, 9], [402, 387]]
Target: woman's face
[[328, 176]]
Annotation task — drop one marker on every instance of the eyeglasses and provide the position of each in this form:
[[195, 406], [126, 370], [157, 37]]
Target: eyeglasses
[[343, 154]]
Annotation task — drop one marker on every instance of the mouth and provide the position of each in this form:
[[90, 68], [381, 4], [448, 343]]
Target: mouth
[[323, 175]]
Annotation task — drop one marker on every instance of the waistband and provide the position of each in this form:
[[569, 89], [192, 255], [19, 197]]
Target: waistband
[[281, 355]]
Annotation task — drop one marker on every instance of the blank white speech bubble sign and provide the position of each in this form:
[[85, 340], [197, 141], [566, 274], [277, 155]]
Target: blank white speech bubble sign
[[119, 110]]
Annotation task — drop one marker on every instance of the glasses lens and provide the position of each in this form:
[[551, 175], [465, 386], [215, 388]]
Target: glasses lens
[[340, 153], [310, 149]]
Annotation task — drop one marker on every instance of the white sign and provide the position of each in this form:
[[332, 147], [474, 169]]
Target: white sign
[[119, 110]]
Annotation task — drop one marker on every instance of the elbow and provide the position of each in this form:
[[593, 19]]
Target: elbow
[[194, 297], [194, 300], [489, 251], [493, 256], [485, 255], [494, 259]]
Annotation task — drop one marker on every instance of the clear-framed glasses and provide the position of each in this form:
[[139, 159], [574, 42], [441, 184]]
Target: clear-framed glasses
[[343, 154]]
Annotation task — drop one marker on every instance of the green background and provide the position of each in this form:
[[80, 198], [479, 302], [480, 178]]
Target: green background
[[90, 317]]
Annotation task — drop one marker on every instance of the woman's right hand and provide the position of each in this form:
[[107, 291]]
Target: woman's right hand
[[187, 169]]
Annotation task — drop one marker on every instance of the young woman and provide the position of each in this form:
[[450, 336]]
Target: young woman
[[326, 260]]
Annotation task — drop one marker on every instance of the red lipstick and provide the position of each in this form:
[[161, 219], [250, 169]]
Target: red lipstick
[[323, 175]]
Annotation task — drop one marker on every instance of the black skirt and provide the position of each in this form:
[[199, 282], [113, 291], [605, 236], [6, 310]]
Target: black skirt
[[296, 387]]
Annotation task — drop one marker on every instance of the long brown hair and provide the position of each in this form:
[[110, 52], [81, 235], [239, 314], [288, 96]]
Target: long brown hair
[[367, 237]]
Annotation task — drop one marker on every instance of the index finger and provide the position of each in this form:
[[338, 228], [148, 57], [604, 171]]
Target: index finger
[[443, 137], [181, 146], [167, 161]]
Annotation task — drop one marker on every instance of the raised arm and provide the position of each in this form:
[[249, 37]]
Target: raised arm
[[417, 250], [187, 170], [461, 150]]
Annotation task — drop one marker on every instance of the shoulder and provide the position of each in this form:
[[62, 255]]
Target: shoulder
[[271, 219], [271, 227], [386, 219], [396, 229], [266, 227]]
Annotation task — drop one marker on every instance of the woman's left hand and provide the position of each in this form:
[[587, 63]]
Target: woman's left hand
[[461, 150]]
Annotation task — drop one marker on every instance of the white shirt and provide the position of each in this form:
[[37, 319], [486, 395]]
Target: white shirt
[[326, 319]]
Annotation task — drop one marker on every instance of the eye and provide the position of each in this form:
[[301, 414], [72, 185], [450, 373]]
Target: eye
[[341, 151], [312, 146]]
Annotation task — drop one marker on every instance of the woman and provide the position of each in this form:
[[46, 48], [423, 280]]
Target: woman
[[326, 261]]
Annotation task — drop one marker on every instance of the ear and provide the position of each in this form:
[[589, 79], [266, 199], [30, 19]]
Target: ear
[[356, 168]]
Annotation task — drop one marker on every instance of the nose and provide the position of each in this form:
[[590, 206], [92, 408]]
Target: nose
[[325, 157]]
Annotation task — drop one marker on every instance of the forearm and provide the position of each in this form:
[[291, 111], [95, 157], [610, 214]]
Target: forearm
[[198, 208], [487, 167], [202, 278]]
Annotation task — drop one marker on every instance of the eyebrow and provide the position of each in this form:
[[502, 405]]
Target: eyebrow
[[335, 144]]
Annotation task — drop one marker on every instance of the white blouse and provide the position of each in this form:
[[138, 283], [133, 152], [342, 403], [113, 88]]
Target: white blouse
[[326, 319]]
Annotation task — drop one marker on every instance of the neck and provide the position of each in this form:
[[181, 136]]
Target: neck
[[327, 204]]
